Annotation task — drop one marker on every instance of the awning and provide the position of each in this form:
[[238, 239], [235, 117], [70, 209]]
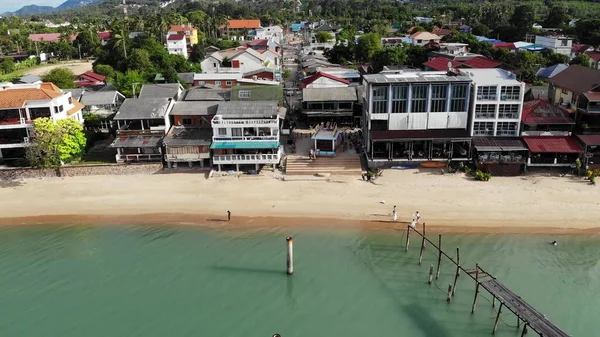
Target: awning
[[590, 140], [328, 113], [541, 144], [245, 145], [397, 135], [491, 144]]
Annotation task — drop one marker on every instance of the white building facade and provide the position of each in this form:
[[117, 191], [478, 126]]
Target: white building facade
[[176, 45], [558, 44], [497, 103]]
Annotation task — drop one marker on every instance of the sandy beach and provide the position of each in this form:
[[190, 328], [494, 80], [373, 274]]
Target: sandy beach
[[448, 203]]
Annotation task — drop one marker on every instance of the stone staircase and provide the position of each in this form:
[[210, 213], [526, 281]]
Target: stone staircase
[[339, 165]]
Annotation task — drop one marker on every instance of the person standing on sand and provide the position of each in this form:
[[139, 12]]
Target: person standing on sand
[[228, 215], [395, 214], [418, 216]]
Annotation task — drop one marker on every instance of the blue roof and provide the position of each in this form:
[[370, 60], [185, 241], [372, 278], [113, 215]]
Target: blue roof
[[296, 27], [486, 39], [533, 47], [551, 71], [245, 145]]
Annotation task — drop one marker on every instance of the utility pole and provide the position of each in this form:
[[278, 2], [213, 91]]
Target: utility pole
[[79, 47]]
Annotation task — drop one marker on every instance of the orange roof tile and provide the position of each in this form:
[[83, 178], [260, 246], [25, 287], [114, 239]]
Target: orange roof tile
[[243, 24], [77, 106], [16, 98], [49, 86]]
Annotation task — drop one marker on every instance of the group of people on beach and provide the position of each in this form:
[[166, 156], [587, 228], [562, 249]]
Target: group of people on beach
[[415, 220]]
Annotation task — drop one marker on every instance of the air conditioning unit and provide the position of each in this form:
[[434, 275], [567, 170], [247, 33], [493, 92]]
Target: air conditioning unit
[[25, 139], [22, 120]]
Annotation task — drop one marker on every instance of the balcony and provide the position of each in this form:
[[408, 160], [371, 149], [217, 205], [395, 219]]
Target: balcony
[[13, 142], [244, 138], [254, 122], [138, 157], [186, 157], [11, 122], [247, 159]]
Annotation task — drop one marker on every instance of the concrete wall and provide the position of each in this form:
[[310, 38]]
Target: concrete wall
[[87, 170]]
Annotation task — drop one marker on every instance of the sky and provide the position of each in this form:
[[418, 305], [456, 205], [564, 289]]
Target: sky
[[13, 5]]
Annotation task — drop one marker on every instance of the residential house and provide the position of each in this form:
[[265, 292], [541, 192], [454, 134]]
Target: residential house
[[104, 37], [441, 63], [416, 116], [422, 19], [104, 103], [189, 138], [259, 45], [441, 32], [323, 80], [217, 80], [246, 133], [558, 44], [20, 106], [594, 56], [90, 79], [162, 90], [395, 41], [546, 130], [324, 28], [269, 32], [497, 103], [549, 72], [176, 45], [424, 38], [238, 28], [351, 75], [333, 104], [272, 59], [453, 51], [49, 37], [190, 32], [76, 93], [203, 94], [29, 79], [264, 74], [141, 125], [236, 60], [258, 93], [578, 49]]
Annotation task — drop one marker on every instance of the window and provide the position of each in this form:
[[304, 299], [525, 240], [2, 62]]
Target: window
[[483, 129], [563, 43], [222, 132], [458, 100], [218, 83], [573, 99], [506, 129], [508, 111], [485, 111], [328, 106], [487, 93], [439, 96], [345, 105], [419, 41], [399, 99], [379, 125], [236, 132], [419, 98], [380, 97], [511, 93], [214, 65], [186, 121], [244, 94], [70, 100], [228, 82]]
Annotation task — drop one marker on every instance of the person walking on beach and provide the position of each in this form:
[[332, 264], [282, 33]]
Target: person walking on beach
[[418, 216], [228, 215], [395, 214]]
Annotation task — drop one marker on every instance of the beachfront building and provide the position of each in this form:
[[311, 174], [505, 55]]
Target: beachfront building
[[246, 134], [188, 140], [141, 125], [417, 116], [20, 107], [333, 105]]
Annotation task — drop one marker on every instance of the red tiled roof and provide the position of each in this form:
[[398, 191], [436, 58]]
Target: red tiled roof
[[480, 62], [16, 98], [594, 55], [318, 75], [176, 37], [181, 28], [590, 140], [441, 63], [551, 144], [442, 31], [541, 112], [92, 77], [242, 24], [259, 42], [49, 37], [579, 48], [392, 40], [504, 45], [104, 35]]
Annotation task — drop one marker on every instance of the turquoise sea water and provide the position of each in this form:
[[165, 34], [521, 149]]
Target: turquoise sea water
[[76, 281]]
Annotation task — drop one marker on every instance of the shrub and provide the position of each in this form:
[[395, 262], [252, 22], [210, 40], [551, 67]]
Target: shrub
[[482, 176], [592, 174]]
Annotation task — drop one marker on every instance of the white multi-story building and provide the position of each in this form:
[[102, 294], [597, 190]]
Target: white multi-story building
[[20, 106], [497, 103], [246, 133], [176, 45], [558, 44]]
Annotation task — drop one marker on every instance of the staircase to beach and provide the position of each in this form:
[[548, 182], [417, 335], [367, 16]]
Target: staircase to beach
[[339, 165]]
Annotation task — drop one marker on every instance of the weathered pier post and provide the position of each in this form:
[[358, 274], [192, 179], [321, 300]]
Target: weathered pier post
[[476, 287], [423, 234], [290, 255], [524, 330], [493, 302], [497, 318], [437, 275], [457, 271], [430, 273], [407, 238], [422, 247], [518, 321], [449, 293]]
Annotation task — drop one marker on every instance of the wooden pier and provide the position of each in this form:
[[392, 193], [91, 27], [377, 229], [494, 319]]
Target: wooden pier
[[531, 318]]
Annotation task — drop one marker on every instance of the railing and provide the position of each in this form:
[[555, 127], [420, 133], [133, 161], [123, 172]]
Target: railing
[[14, 121], [140, 132], [228, 70], [186, 157], [247, 159], [138, 157], [243, 138], [545, 133], [218, 121]]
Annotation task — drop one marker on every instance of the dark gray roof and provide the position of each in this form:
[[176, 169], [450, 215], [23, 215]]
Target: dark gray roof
[[29, 79], [75, 93], [189, 108], [136, 141], [187, 78], [188, 136], [246, 109], [143, 108], [414, 77], [166, 90], [202, 94], [325, 28], [329, 94], [100, 97]]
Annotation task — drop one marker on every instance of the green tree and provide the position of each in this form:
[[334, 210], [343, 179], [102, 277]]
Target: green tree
[[588, 32], [61, 77], [388, 56], [367, 45], [55, 143], [197, 54], [140, 60], [481, 30], [557, 16], [125, 82], [322, 37], [553, 58], [88, 41], [582, 59], [7, 65], [522, 20], [417, 55], [63, 50], [104, 70]]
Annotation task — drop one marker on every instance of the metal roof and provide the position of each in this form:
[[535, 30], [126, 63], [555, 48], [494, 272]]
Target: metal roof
[[136, 141], [189, 108], [245, 145], [498, 144], [329, 94], [188, 136], [590, 140], [549, 144], [100, 97], [411, 77], [248, 109], [202, 94], [166, 90], [75, 93], [143, 108]]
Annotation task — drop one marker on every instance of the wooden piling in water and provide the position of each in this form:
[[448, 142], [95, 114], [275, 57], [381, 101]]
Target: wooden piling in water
[[449, 297], [422, 248], [430, 273], [497, 318], [423, 234], [290, 255], [524, 330], [518, 321], [407, 238], [476, 287], [457, 272], [493, 302], [437, 275]]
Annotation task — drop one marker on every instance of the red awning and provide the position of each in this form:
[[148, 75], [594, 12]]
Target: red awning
[[549, 144]]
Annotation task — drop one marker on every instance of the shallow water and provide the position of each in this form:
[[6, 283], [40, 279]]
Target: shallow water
[[164, 281]]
